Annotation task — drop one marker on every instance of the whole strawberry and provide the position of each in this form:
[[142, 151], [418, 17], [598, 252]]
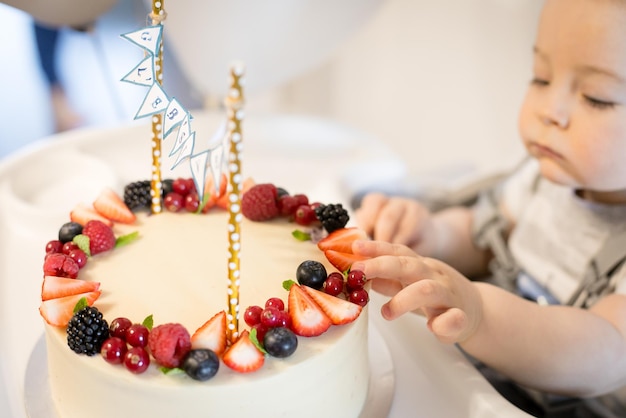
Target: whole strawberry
[[259, 203], [101, 237]]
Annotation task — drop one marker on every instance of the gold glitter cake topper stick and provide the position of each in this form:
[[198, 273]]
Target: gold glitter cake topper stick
[[234, 106], [158, 16]]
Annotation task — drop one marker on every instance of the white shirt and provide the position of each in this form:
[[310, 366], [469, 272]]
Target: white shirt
[[557, 233]]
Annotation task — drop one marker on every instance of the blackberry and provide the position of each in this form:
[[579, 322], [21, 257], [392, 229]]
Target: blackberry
[[86, 331], [332, 216], [137, 194]]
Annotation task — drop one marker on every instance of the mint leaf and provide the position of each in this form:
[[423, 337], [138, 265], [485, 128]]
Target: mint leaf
[[173, 370], [148, 322], [81, 304], [205, 199], [255, 341], [83, 243], [126, 239], [287, 284], [301, 235]]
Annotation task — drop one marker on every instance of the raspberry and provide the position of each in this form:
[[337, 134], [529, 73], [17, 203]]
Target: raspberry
[[101, 237], [169, 344], [60, 265], [259, 203]]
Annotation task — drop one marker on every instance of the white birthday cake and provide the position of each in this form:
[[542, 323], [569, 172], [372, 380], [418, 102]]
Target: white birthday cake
[[174, 272]]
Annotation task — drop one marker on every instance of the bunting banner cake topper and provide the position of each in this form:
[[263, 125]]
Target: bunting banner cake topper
[[170, 119]]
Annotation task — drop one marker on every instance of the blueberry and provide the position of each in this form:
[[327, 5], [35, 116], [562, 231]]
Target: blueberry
[[201, 364], [69, 230], [280, 342], [281, 192], [167, 186], [311, 273]]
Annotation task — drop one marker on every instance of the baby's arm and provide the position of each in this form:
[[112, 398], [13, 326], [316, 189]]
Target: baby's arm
[[555, 348], [445, 235]]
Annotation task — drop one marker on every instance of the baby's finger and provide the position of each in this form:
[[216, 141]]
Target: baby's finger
[[387, 287], [388, 221], [449, 326], [403, 269], [407, 227], [377, 248], [421, 294], [367, 214]]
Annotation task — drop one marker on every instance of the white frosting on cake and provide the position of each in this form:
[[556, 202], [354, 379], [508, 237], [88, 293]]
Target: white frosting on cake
[[177, 272]]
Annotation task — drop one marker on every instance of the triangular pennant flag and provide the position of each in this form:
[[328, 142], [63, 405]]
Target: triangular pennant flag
[[197, 163], [186, 150], [142, 74], [184, 132], [174, 114], [148, 38], [217, 156], [219, 135], [155, 101]]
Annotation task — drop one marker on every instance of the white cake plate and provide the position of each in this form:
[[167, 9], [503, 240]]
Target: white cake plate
[[378, 403]]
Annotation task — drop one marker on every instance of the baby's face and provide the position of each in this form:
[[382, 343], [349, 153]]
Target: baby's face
[[573, 119]]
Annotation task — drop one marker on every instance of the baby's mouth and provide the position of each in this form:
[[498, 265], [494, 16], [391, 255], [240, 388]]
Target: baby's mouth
[[542, 151]]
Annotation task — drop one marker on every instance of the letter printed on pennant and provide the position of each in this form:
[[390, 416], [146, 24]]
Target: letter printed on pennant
[[142, 74], [155, 101], [184, 132], [148, 38], [174, 115], [186, 150]]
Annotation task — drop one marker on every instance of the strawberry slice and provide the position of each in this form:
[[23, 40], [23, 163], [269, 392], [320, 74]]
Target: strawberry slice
[[307, 318], [243, 356], [222, 201], [212, 334], [342, 261], [110, 205], [57, 287], [58, 312], [247, 184], [341, 239], [221, 196], [338, 310], [82, 214]]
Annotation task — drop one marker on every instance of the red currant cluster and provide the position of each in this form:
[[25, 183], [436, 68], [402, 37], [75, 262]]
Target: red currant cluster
[[352, 287], [262, 319], [183, 196], [297, 207], [126, 345]]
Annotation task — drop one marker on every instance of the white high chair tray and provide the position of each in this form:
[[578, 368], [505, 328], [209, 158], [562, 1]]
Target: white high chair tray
[[416, 374]]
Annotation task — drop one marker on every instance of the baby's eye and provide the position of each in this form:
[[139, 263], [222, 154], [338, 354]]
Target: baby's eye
[[536, 81], [598, 104]]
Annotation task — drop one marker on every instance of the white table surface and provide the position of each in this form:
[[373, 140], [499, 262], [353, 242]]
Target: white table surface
[[329, 162]]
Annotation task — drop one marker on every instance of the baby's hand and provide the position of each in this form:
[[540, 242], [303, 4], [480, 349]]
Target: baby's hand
[[450, 301], [397, 220]]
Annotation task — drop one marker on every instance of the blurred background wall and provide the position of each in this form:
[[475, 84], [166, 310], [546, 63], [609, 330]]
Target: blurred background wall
[[439, 81]]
